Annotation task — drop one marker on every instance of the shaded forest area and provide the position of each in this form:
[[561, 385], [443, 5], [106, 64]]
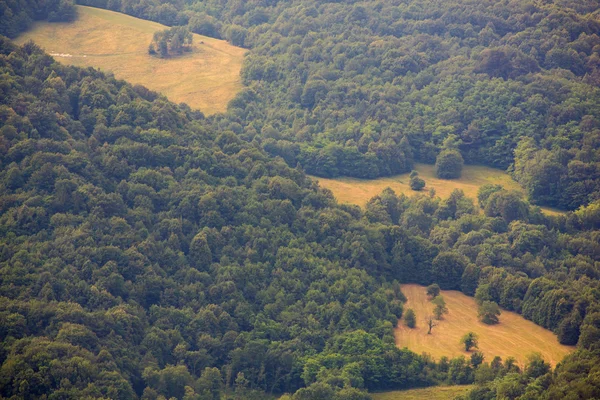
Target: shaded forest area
[[363, 88], [145, 253]]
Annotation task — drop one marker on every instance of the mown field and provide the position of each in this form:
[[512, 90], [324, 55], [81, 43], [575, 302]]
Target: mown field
[[432, 393], [206, 79], [513, 336], [360, 191]]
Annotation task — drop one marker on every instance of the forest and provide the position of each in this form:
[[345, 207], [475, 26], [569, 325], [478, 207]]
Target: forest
[[362, 88], [149, 252], [146, 254]]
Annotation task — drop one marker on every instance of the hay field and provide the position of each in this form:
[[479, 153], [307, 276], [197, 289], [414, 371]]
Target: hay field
[[431, 393], [513, 336], [206, 79], [360, 191]]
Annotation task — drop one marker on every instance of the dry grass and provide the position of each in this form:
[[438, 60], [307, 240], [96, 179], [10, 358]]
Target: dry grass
[[513, 336], [207, 78], [359, 191], [432, 393]]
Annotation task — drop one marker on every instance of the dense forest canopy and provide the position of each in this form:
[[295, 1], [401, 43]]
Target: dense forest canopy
[[362, 88], [148, 252], [145, 253]]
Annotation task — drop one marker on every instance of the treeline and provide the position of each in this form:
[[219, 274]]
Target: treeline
[[146, 254], [342, 88], [18, 15]]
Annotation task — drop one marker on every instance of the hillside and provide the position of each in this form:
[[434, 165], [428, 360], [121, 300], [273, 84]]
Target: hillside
[[514, 336], [147, 252], [434, 393], [206, 79], [360, 191]]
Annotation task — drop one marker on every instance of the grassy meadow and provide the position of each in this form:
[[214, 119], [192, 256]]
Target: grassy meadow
[[431, 393], [513, 336], [360, 191], [206, 78]]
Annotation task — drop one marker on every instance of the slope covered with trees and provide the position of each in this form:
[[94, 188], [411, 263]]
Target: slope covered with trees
[[363, 88], [18, 15], [146, 254]]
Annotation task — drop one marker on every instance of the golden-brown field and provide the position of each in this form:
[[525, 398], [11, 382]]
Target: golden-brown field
[[207, 78], [360, 191], [513, 336], [431, 393]]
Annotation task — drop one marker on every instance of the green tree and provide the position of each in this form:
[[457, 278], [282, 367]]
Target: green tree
[[200, 254], [449, 164], [416, 183], [470, 340], [485, 191], [440, 307], [447, 269], [477, 358], [488, 312], [433, 290], [410, 319]]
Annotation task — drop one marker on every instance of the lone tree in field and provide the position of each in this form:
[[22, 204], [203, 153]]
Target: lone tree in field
[[430, 321], [449, 163], [440, 307], [171, 42], [410, 319], [470, 341], [433, 290], [488, 312], [416, 183]]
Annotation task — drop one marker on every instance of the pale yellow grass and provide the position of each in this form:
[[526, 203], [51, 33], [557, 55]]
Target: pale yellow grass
[[360, 191], [513, 336], [432, 393], [206, 78]]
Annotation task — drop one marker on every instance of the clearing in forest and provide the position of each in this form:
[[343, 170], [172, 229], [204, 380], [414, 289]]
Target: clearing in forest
[[206, 78], [360, 191], [430, 393], [514, 336]]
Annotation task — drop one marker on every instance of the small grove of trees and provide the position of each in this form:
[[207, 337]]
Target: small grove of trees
[[410, 319], [470, 340], [449, 162], [416, 183], [171, 42]]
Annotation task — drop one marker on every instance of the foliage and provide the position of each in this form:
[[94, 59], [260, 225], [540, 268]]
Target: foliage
[[410, 319], [171, 42], [148, 252], [470, 341], [440, 307], [17, 15], [488, 312], [433, 290], [363, 89], [416, 183], [448, 164]]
